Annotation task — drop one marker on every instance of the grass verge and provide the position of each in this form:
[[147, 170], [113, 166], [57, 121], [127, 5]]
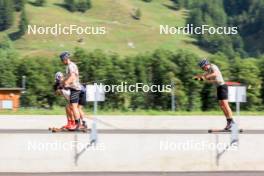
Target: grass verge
[[60, 111]]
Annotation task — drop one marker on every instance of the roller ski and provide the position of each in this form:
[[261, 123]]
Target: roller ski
[[71, 127], [55, 130], [62, 129], [223, 130], [227, 129]]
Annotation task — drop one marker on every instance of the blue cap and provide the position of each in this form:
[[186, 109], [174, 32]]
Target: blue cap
[[64, 55], [203, 63]]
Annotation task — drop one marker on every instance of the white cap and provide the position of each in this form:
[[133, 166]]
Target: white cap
[[58, 76]]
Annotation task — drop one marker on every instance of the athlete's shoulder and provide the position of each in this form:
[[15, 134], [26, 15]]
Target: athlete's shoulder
[[213, 66], [72, 66]]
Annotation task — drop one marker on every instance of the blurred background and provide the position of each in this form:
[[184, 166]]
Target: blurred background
[[132, 50]]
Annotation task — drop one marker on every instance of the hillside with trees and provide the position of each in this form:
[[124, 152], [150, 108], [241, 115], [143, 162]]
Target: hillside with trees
[[247, 15], [130, 26]]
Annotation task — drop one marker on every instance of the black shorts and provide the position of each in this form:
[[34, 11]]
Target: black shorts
[[222, 92], [74, 96], [82, 99]]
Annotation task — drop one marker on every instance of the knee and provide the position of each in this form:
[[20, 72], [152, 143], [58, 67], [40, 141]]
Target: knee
[[80, 108], [74, 105], [75, 108], [68, 109], [221, 104], [225, 104]]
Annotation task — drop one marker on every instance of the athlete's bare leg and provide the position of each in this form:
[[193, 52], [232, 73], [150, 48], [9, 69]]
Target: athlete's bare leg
[[69, 115], [228, 113], [69, 112], [82, 114], [221, 104], [227, 108], [75, 111]]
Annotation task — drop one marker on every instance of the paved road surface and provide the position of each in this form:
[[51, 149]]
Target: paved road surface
[[221, 173], [125, 131]]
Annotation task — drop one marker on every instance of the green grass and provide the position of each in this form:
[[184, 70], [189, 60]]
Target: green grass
[[60, 111], [121, 28]]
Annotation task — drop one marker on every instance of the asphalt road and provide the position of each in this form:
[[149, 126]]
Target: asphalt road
[[220, 173], [125, 131]]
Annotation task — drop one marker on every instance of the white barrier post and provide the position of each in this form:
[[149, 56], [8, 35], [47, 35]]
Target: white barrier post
[[95, 99], [95, 93], [237, 94]]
